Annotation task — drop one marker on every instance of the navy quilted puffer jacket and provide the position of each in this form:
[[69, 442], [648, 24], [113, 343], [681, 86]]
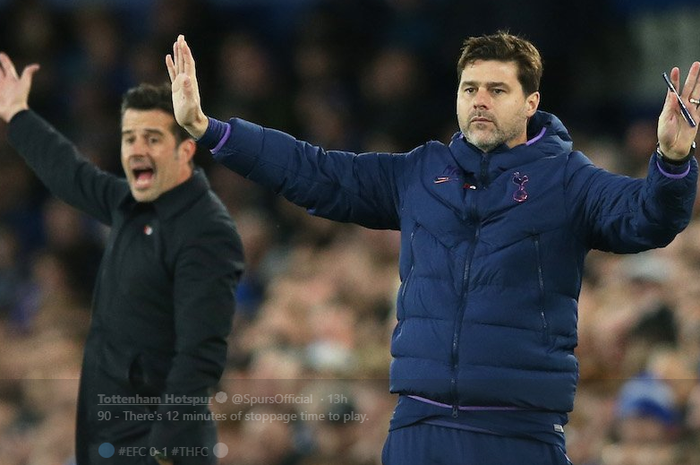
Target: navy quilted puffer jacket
[[492, 247]]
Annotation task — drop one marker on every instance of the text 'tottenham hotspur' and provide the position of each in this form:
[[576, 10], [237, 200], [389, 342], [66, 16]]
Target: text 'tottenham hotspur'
[[172, 399]]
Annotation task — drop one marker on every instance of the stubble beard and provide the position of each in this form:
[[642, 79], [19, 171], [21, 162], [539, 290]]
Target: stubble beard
[[486, 142]]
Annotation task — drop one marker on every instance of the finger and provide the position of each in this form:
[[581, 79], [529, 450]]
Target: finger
[[176, 54], [694, 93], [176, 57], [181, 57], [671, 104], [670, 95], [188, 60], [675, 77], [171, 67], [28, 73], [670, 108], [7, 65], [690, 80], [670, 99]]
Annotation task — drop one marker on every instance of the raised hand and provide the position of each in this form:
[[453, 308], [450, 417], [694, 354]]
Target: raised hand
[[14, 89], [186, 100], [674, 133]]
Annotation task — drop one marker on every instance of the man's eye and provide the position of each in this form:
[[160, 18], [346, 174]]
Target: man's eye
[[469, 90], [499, 91]]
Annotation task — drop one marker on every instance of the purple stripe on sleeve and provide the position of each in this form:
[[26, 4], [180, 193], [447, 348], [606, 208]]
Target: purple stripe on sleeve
[[671, 175], [223, 140]]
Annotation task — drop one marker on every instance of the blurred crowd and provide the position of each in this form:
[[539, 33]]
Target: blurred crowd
[[316, 304]]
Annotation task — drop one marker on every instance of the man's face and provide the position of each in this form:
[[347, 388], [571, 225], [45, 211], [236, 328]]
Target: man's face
[[152, 159], [492, 108]]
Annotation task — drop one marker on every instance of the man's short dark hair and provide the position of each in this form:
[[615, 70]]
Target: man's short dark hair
[[506, 47], [152, 97]]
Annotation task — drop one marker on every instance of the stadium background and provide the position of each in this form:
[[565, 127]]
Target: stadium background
[[316, 304]]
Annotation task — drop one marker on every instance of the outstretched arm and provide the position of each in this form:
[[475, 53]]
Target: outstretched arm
[[49, 154], [338, 185], [624, 215], [14, 89], [674, 133], [186, 100]]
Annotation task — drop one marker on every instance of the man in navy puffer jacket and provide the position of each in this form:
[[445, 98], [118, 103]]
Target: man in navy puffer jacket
[[495, 227]]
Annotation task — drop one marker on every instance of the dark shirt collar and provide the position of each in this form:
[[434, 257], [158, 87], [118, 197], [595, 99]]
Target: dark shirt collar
[[178, 198]]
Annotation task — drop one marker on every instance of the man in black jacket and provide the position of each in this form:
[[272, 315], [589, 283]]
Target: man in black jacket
[[164, 296]]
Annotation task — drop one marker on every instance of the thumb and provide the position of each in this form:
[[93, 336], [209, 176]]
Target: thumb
[[28, 73]]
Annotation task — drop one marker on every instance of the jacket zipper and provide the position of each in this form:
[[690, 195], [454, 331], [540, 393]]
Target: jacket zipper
[[459, 319], [540, 277], [410, 271]]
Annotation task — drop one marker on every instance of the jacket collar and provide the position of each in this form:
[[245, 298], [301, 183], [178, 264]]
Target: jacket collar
[[177, 199], [547, 136]]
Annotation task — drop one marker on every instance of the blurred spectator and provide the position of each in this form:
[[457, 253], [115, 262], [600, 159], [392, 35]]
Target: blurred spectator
[[646, 412], [10, 272], [393, 92], [248, 83]]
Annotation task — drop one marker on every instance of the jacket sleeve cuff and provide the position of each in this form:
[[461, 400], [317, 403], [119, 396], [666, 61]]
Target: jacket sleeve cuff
[[18, 115], [672, 171], [243, 150], [215, 136]]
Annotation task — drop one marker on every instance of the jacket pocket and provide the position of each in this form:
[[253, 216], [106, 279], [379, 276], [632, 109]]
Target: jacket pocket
[[540, 284], [147, 376], [115, 362]]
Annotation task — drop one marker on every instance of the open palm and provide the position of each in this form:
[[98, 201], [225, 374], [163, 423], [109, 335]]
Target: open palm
[[14, 89], [674, 133], [186, 100]]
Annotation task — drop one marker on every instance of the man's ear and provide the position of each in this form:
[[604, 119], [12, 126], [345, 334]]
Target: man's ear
[[187, 149], [532, 102]]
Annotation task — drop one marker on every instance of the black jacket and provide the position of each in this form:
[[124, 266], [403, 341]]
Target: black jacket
[[162, 304]]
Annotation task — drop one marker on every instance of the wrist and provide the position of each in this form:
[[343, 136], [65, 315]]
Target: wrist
[[675, 160], [199, 126], [216, 135], [11, 112]]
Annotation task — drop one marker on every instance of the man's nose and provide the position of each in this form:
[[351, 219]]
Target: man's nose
[[482, 99]]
